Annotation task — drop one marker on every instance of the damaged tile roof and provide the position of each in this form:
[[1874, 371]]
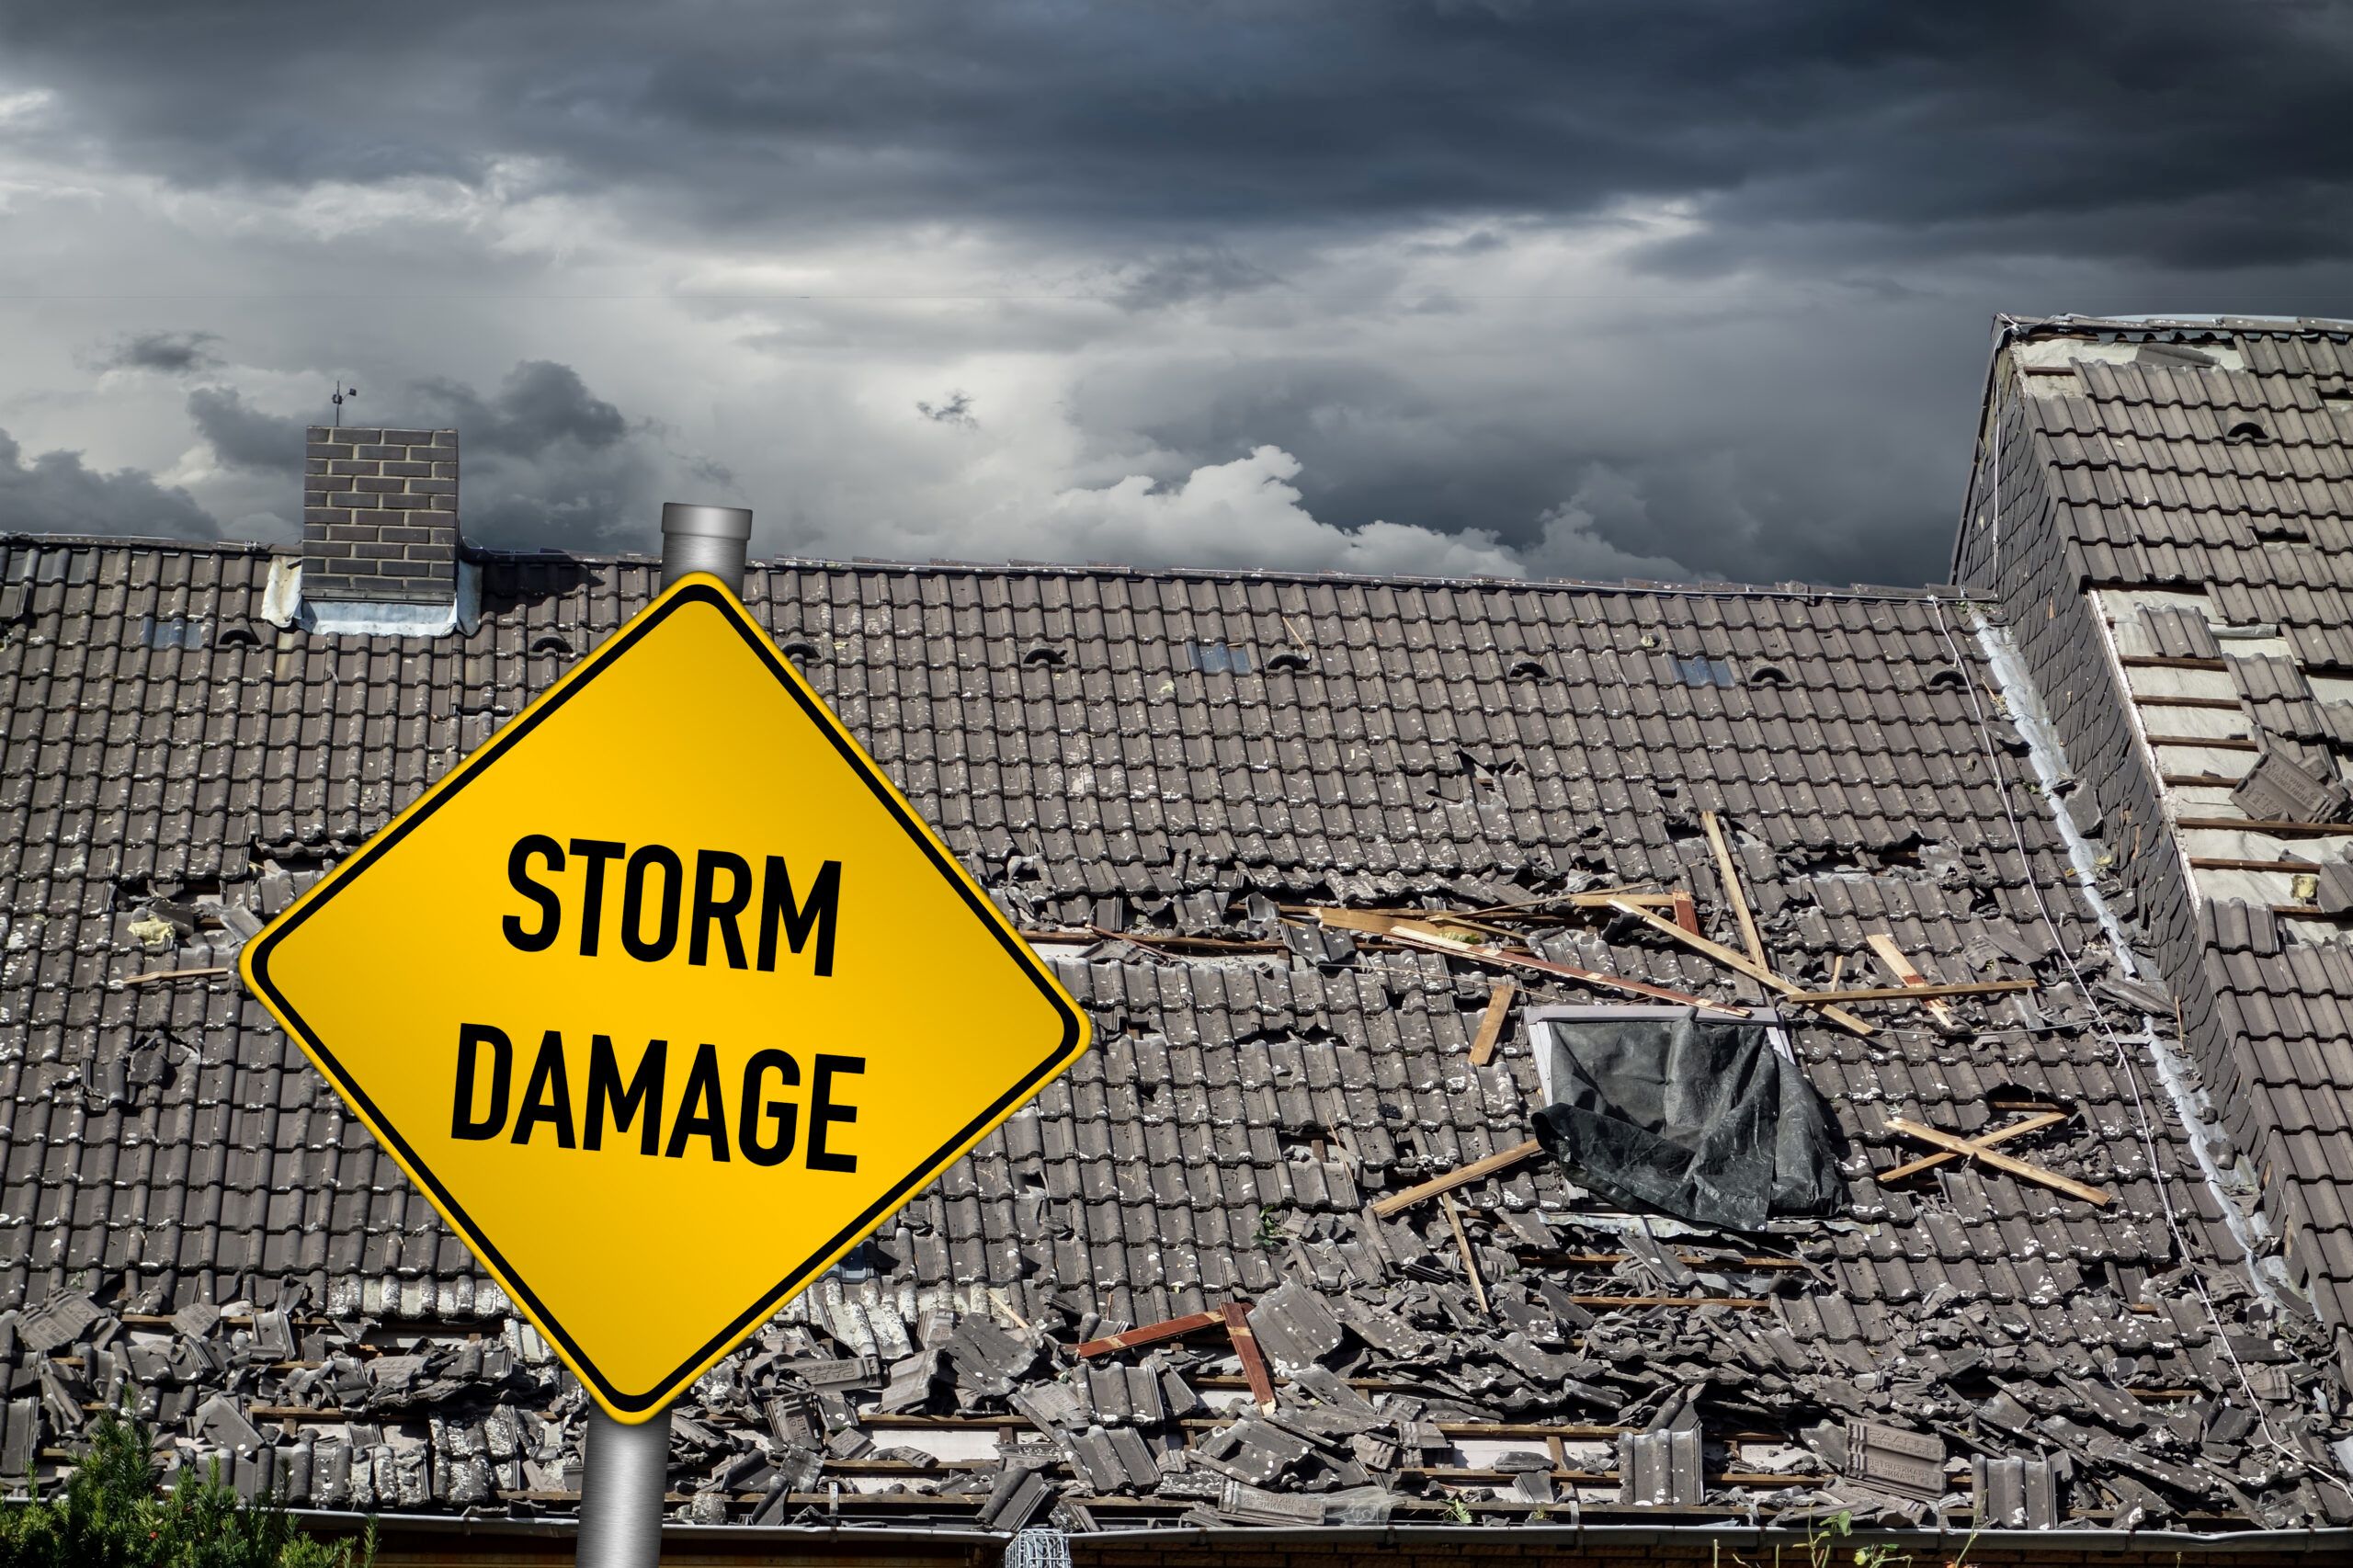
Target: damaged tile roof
[[2163, 509], [187, 1212]]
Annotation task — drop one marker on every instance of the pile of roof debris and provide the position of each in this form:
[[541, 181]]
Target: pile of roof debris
[[1497, 1342]]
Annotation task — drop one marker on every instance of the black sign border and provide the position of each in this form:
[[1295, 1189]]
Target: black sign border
[[1073, 1042]]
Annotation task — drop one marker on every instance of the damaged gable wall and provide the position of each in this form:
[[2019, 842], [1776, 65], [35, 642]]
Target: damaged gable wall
[[2166, 532]]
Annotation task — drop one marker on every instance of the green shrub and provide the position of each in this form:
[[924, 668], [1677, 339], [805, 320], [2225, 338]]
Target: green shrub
[[111, 1515]]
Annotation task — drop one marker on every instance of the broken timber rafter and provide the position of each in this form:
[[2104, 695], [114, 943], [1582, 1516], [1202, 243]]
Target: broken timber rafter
[[1151, 1334], [1491, 1022], [1246, 1349], [1734, 894], [1741, 964], [1918, 993], [1905, 973], [177, 974], [1998, 1135], [1462, 1175], [2025, 1171], [1462, 1245], [1431, 940]]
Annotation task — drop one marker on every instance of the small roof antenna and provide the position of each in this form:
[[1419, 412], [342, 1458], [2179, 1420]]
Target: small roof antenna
[[341, 391]]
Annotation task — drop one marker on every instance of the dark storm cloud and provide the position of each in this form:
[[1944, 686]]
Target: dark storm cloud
[[1779, 381], [954, 409], [242, 436], [545, 461], [540, 406], [1203, 273], [2174, 130], [57, 493], [165, 353]]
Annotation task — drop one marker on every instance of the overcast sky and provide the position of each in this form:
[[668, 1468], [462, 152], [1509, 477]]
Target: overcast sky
[[1594, 289]]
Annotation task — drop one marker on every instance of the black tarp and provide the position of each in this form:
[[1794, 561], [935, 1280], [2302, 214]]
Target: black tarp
[[1699, 1116]]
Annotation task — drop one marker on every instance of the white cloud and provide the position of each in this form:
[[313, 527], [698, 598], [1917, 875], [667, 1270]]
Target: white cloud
[[1246, 513]]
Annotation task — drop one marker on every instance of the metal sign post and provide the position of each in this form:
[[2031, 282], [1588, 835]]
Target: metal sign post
[[648, 947], [622, 1494]]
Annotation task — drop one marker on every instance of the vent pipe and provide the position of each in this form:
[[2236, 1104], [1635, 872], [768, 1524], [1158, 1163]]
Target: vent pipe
[[705, 538]]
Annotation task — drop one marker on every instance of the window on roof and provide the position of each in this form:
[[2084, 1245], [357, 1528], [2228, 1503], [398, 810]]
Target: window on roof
[[1216, 658], [173, 631], [1701, 670]]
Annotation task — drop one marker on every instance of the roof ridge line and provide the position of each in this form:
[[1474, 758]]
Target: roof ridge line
[[1632, 585]]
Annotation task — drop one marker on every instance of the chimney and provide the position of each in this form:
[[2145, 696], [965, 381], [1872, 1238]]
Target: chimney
[[380, 517]]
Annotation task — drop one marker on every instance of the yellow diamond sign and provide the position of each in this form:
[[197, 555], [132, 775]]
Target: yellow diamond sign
[[665, 998]]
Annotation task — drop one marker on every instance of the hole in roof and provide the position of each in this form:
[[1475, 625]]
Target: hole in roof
[[551, 642], [799, 648], [1528, 669], [1290, 661], [1767, 675], [2246, 432], [2011, 1097], [1701, 670], [1947, 679], [1216, 658], [1045, 653]]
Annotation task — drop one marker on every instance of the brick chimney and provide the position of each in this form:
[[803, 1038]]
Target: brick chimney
[[380, 516]]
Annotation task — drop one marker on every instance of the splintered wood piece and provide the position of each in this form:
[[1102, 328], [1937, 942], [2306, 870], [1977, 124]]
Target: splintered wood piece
[[1462, 1175], [1739, 962], [2022, 1169], [1151, 1334], [1730, 875], [1905, 973], [177, 974], [1413, 935], [1462, 1245], [1916, 992], [1373, 921], [1245, 1348], [1491, 1022], [1998, 1135], [1687, 912]]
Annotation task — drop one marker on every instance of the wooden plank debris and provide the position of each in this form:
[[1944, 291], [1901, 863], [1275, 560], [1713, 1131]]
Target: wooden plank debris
[[1741, 964], [1998, 1135], [1739, 1303], [1462, 1245], [1245, 1348], [2024, 1170], [1917, 993], [1491, 1022], [1687, 912], [177, 974], [1462, 1175], [1151, 1334], [1435, 942], [1729, 873], [1376, 922], [1904, 971]]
